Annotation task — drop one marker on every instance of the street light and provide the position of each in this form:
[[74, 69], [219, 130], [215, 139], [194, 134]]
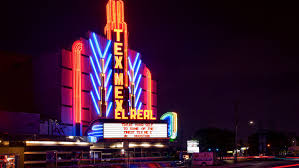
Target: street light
[[251, 122]]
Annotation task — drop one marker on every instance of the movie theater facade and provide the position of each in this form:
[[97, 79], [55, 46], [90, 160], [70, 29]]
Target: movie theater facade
[[107, 91]]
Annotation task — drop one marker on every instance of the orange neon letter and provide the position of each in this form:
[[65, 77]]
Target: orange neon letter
[[118, 78], [118, 92], [146, 114], [117, 115], [139, 114], [118, 31], [118, 49], [124, 115], [118, 64], [151, 115], [133, 114]]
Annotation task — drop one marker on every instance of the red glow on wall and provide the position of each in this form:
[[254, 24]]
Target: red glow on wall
[[116, 20], [76, 52]]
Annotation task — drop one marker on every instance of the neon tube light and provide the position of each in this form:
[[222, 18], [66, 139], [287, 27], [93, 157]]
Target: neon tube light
[[95, 88], [95, 71], [137, 84], [172, 123], [138, 96], [109, 109], [76, 53], [95, 134], [130, 64], [97, 127], [95, 55], [108, 78], [108, 93], [149, 89], [136, 59], [106, 49], [130, 78], [137, 70], [116, 20], [139, 107], [95, 103], [107, 62], [97, 45]]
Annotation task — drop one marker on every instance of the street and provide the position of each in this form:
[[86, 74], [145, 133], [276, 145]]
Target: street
[[267, 164]]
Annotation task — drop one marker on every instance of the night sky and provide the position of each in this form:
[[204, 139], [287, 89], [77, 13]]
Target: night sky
[[205, 55]]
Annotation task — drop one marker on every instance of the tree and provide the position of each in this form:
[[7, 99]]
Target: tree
[[268, 142], [215, 138]]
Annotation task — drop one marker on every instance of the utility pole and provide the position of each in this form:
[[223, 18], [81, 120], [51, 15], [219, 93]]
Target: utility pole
[[236, 111]]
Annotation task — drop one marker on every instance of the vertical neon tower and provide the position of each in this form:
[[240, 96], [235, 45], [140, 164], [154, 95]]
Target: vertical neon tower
[[116, 21], [76, 53], [116, 30]]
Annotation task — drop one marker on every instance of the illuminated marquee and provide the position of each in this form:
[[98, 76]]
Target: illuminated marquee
[[135, 130]]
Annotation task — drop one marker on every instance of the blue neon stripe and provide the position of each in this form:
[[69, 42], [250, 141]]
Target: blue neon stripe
[[107, 62], [136, 59], [138, 96], [138, 67], [95, 134], [130, 103], [129, 89], [109, 109], [139, 107], [97, 127], [137, 84], [95, 71], [130, 64], [95, 55], [106, 49], [130, 78], [97, 131], [108, 78], [94, 102], [108, 93], [95, 88], [97, 44]]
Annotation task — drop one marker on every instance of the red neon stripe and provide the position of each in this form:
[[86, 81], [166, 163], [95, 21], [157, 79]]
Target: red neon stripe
[[292, 165], [76, 51], [149, 89]]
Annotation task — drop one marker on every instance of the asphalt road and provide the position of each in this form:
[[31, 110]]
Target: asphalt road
[[265, 164]]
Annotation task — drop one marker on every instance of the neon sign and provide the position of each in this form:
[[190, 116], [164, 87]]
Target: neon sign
[[116, 82], [76, 52], [119, 77], [135, 130], [100, 76], [172, 119]]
